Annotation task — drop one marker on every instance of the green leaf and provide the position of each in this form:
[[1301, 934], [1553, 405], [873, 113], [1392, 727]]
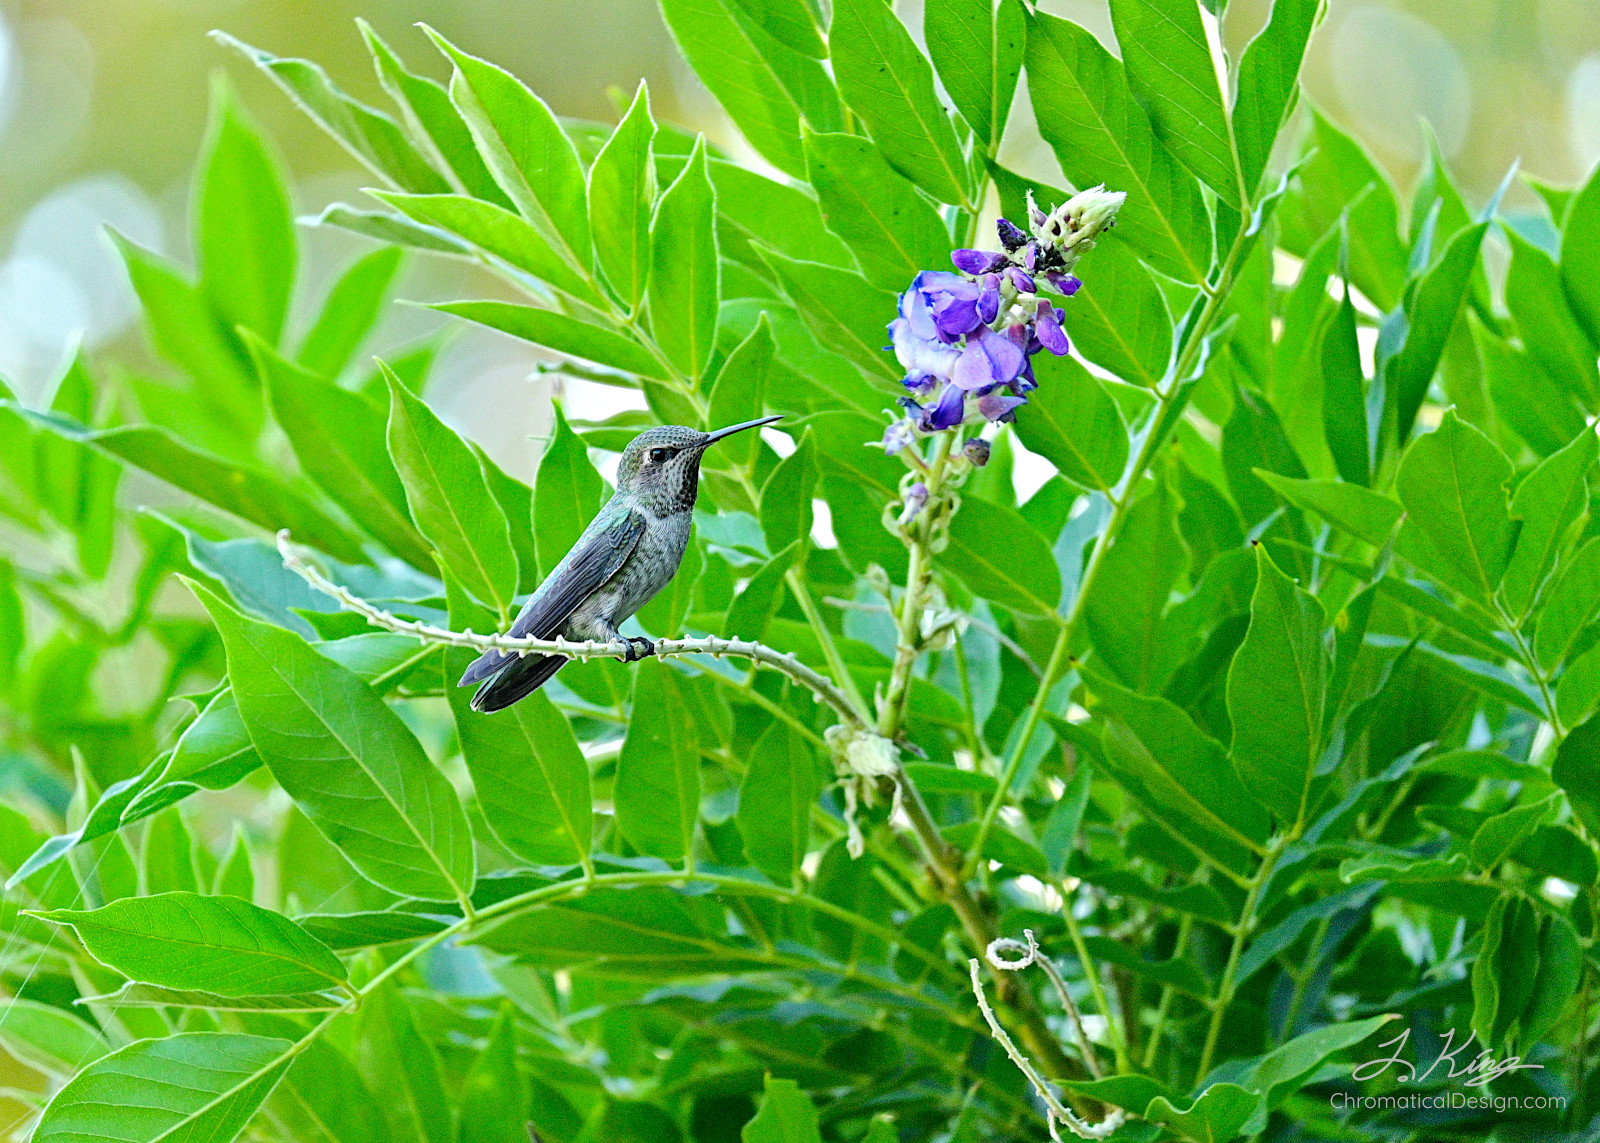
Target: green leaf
[[339, 437], [893, 230], [1497, 837], [842, 309], [1578, 689], [349, 312], [1180, 775], [1560, 969], [1060, 833], [396, 1060], [525, 149], [215, 749], [658, 773], [1217, 1115], [1283, 1071], [221, 944], [371, 136], [347, 760], [1452, 483], [752, 609], [495, 231], [1526, 398], [1569, 606], [1505, 973], [197, 1087], [516, 501], [1580, 255], [529, 774], [1101, 135], [450, 500], [779, 791], [999, 557], [1123, 610], [1268, 84], [1576, 770], [49, 1039], [977, 47], [754, 209], [1076, 425], [386, 226], [1358, 510], [345, 932], [248, 493], [245, 228], [1118, 319], [739, 394], [791, 22], [1430, 312], [1277, 686], [888, 83], [564, 334], [1344, 415], [1550, 332], [786, 1116], [1548, 501], [431, 116], [494, 1098], [622, 195], [566, 494], [765, 86], [322, 1098], [786, 497], [685, 279], [1172, 77]]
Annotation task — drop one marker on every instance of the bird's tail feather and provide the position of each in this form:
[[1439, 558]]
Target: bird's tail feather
[[516, 681], [489, 663]]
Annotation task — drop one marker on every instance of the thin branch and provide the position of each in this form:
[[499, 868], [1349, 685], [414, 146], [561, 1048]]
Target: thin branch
[[758, 653]]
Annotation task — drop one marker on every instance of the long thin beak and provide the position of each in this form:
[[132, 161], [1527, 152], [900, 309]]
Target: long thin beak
[[713, 438]]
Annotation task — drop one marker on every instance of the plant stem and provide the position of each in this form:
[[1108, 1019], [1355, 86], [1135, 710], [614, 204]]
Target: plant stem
[[1184, 927], [1241, 932]]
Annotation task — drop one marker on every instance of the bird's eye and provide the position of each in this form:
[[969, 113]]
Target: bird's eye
[[660, 455]]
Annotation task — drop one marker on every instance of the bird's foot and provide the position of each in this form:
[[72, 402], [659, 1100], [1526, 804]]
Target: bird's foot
[[635, 650]]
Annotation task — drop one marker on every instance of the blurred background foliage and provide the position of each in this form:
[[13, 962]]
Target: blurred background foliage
[[102, 109]]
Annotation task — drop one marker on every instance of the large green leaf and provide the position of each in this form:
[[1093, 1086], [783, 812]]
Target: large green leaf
[[1118, 319], [397, 1060], [1128, 598], [1576, 770], [371, 136], [977, 47], [1550, 331], [780, 789], [1452, 483], [1547, 502], [765, 86], [844, 311], [220, 944], [554, 330], [525, 148], [1268, 84], [685, 279], [49, 1039], [786, 1116], [999, 557], [1358, 510], [1170, 71], [1101, 135], [1430, 313], [786, 512], [1277, 686], [1344, 414], [450, 500], [323, 1098], [198, 1087], [340, 439], [888, 82], [245, 229], [1076, 425], [622, 193], [892, 229], [494, 1098], [658, 773], [1580, 254], [352, 308], [566, 494], [347, 760]]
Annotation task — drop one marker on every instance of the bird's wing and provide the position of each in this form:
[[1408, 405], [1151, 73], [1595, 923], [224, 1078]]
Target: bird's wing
[[602, 549]]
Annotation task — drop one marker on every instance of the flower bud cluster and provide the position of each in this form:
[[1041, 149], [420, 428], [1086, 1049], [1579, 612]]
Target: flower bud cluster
[[966, 339]]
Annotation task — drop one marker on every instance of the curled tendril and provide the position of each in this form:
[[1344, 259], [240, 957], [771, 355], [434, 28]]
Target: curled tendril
[[1026, 955]]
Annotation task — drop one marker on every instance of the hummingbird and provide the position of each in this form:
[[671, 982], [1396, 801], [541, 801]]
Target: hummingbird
[[629, 551]]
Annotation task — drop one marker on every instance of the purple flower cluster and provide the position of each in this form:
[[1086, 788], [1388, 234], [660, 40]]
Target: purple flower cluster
[[967, 339]]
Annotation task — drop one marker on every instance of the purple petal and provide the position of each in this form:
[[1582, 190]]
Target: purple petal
[[1063, 283], [921, 355], [1048, 329], [999, 407], [1011, 237], [914, 312], [989, 359], [989, 300], [1020, 281], [977, 261], [1030, 256], [947, 413]]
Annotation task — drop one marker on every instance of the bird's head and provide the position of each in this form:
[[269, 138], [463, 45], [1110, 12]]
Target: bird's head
[[661, 466]]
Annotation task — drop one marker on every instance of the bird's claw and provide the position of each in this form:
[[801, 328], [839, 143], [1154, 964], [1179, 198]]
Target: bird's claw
[[634, 652]]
